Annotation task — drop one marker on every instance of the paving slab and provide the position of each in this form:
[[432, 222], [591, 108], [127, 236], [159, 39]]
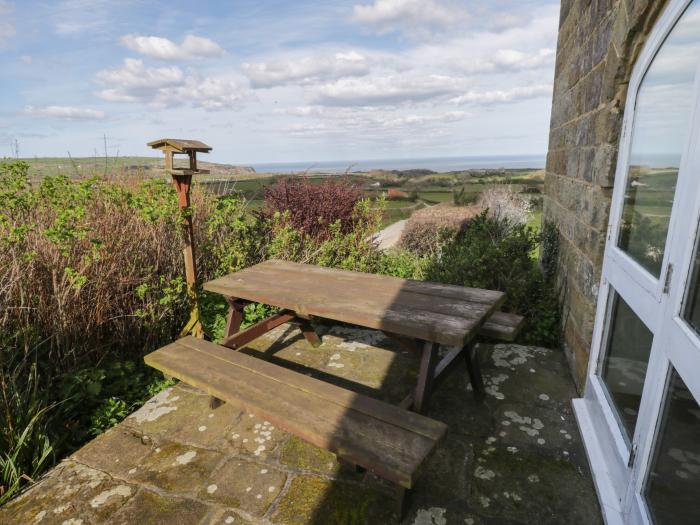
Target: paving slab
[[514, 459]]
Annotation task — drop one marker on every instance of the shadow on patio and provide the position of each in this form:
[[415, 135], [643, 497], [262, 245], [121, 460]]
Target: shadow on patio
[[514, 459]]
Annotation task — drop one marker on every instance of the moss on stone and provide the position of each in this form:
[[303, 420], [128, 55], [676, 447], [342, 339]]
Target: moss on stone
[[300, 454], [311, 500]]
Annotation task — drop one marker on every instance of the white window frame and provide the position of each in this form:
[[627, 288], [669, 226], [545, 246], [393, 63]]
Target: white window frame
[[608, 449]]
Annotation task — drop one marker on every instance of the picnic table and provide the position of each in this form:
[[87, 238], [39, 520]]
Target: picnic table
[[418, 315], [389, 440]]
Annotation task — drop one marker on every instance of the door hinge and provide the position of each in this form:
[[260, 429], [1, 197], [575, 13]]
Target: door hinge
[[669, 274], [633, 455]]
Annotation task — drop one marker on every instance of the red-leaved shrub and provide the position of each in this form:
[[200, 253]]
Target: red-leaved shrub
[[313, 207]]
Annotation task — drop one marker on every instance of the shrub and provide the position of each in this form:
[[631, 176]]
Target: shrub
[[425, 230], [505, 203], [91, 279], [311, 208], [495, 254]]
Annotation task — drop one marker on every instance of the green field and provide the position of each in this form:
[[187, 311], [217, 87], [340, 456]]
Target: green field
[[423, 188]]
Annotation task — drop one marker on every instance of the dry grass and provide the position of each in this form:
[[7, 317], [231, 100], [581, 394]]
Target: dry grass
[[86, 265], [423, 230]]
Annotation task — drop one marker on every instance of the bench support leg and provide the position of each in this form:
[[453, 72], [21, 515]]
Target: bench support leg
[[235, 317], [233, 325], [215, 402], [403, 503], [349, 466], [309, 333], [426, 374], [474, 371]]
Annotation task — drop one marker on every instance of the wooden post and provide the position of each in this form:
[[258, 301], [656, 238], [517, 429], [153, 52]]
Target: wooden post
[[182, 181]]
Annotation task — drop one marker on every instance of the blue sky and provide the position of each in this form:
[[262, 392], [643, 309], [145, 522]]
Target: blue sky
[[276, 81]]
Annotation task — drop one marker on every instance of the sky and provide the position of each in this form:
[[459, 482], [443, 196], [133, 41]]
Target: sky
[[278, 81]]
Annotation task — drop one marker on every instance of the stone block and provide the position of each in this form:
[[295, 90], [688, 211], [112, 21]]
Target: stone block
[[154, 509], [175, 467], [310, 499], [251, 487]]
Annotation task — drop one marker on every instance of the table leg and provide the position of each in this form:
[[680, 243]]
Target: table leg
[[426, 373], [474, 371], [403, 502], [309, 333], [235, 317], [233, 325]]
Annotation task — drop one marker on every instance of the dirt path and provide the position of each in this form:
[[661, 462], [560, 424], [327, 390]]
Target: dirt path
[[389, 236]]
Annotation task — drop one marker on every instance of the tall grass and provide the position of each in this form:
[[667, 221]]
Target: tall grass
[[25, 448], [90, 279]]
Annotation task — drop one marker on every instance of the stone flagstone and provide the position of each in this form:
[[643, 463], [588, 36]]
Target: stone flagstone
[[515, 459]]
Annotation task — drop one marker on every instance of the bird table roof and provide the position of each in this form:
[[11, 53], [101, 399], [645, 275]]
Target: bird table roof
[[180, 145]]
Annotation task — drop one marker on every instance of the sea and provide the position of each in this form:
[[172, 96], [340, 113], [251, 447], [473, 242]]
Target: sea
[[438, 164]]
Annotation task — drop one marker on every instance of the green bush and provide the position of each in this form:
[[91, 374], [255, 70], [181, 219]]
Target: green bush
[[92, 280], [497, 255]]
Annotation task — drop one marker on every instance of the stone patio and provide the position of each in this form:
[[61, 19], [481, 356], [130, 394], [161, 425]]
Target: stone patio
[[515, 459]]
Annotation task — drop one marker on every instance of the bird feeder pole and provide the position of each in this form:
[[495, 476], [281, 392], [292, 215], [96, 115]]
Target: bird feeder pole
[[182, 181]]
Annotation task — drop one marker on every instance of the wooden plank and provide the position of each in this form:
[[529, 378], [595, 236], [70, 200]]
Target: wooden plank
[[345, 432], [472, 295], [391, 451], [502, 326], [379, 296], [332, 393], [404, 313], [251, 333], [356, 308]]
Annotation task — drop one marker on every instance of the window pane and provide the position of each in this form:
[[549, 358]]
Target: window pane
[[624, 365], [691, 310], [664, 103], [673, 485]]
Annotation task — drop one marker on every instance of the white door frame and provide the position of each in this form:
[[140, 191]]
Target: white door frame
[[609, 451]]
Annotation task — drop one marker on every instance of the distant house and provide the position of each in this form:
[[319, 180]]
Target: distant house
[[395, 193], [626, 95]]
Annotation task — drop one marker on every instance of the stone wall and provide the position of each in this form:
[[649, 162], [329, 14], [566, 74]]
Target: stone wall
[[599, 41]]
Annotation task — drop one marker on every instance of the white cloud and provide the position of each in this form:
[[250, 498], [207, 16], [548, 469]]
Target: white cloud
[[503, 96], [166, 86], [64, 112], [210, 93], [134, 81], [386, 90], [26, 59], [413, 17], [306, 70], [165, 49], [507, 60], [373, 125]]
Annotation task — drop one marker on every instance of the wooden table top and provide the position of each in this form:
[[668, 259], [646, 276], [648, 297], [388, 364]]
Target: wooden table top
[[442, 313]]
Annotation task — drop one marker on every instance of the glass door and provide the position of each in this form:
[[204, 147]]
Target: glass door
[[665, 487], [639, 382]]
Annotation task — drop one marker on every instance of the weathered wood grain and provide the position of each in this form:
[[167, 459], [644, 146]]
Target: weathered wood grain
[[434, 312], [502, 326], [379, 437]]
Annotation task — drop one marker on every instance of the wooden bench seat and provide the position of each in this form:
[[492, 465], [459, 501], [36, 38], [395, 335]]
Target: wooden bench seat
[[502, 326], [385, 439]]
